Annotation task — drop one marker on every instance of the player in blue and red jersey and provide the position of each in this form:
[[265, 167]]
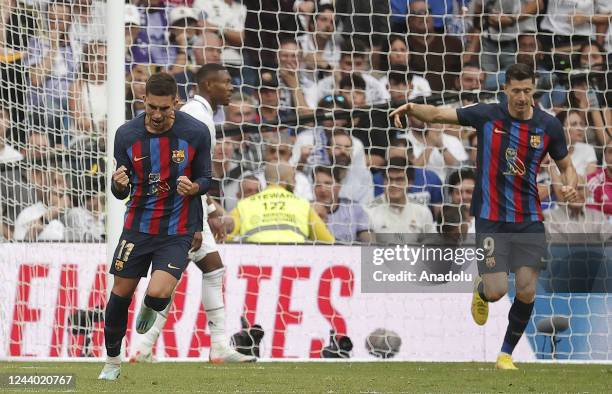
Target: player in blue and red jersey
[[163, 166], [513, 139]]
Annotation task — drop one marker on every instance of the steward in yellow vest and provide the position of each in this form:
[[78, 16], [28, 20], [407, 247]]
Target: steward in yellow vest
[[276, 215]]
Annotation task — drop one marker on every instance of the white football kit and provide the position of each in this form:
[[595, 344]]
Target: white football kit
[[201, 109]]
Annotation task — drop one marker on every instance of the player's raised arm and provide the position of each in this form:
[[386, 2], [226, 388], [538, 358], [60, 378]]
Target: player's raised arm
[[425, 113]]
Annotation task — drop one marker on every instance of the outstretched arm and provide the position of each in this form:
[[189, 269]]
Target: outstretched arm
[[425, 113]]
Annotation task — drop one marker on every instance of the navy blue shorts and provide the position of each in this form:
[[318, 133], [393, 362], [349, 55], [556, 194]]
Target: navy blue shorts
[[508, 246], [137, 251]]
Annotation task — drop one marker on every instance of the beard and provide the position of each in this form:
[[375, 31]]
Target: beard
[[342, 160]]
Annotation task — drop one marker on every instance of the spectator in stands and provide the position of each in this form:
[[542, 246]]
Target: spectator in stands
[[269, 101], [39, 147], [583, 155], [309, 146], [241, 110], [291, 80], [425, 187], [365, 20], [154, 18], [404, 86], [295, 223], [84, 222], [469, 83], [89, 20], [43, 221], [135, 90], [433, 56], [600, 185], [461, 185], [267, 21], [53, 62], [8, 154], [207, 48], [574, 218], [182, 30], [433, 149], [502, 22], [353, 87], [393, 213], [136, 44], [441, 9], [249, 185], [354, 59], [320, 45], [346, 220], [357, 182], [399, 59], [570, 23], [598, 88], [453, 224], [87, 96], [226, 18]]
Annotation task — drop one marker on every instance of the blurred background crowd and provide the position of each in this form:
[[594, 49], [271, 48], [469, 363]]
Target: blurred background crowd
[[314, 82]]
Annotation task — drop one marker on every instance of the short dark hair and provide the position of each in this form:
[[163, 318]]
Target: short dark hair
[[286, 40], [161, 84], [472, 64], [563, 115], [207, 71], [353, 81], [452, 215], [400, 164], [519, 72], [458, 176], [400, 74], [354, 47], [334, 172]]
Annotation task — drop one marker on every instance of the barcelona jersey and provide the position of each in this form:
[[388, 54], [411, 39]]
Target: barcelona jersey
[[154, 163], [509, 153]]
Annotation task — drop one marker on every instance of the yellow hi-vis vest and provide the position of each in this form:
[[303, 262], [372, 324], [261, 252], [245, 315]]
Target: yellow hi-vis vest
[[274, 215]]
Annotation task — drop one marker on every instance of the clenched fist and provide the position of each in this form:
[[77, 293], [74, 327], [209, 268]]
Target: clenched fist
[[185, 187], [121, 178]]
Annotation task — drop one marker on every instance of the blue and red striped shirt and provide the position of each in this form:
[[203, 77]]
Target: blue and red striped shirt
[[154, 163], [509, 153]]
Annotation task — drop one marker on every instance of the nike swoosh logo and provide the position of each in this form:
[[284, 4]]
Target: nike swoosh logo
[[499, 131], [140, 158], [172, 267]]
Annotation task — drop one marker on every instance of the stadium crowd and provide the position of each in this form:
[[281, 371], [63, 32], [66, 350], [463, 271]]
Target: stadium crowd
[[314, 83]]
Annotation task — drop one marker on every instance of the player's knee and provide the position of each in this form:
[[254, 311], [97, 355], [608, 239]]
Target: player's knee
[[158, 304], [495, 293], [526, 294]]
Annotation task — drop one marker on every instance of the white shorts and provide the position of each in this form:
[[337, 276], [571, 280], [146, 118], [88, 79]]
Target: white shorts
[[209, 245]]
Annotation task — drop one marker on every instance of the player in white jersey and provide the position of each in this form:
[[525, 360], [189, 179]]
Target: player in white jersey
[[214, 88]]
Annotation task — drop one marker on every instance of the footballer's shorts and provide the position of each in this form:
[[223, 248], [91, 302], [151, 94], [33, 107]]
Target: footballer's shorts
[[209, 245], [508, 246], [137, 252]]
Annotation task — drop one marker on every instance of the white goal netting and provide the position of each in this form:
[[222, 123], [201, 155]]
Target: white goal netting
[[314, 82]]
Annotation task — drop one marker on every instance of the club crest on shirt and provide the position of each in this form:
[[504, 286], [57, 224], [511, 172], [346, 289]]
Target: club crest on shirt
[[118, 265], [535, 141], [178, 156], [514, 165]]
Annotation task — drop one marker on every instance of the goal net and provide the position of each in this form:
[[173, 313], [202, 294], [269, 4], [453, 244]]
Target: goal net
[[314, 83]]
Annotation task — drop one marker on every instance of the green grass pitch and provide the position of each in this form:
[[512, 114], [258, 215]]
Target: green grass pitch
[[341, 377]]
